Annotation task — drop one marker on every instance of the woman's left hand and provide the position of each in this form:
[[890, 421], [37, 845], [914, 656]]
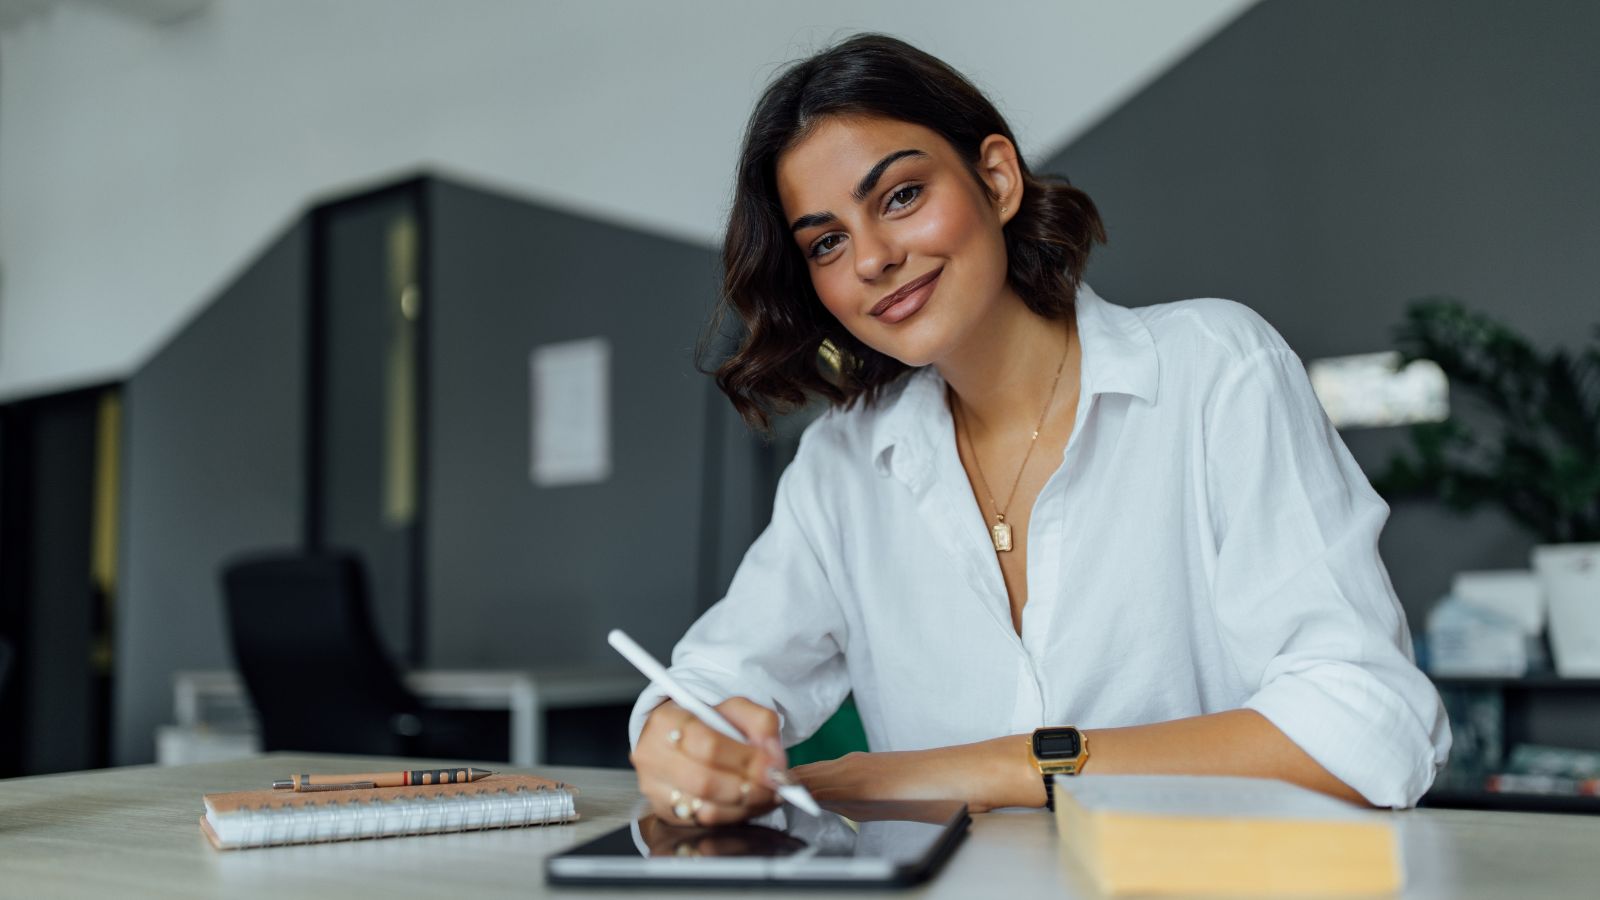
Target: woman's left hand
[[986, 775]]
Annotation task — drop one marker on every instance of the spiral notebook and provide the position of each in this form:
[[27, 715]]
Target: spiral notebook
[[270, 818]]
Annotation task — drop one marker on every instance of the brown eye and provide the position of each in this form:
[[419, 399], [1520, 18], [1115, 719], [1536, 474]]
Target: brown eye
[[817, 249], [912, 192]]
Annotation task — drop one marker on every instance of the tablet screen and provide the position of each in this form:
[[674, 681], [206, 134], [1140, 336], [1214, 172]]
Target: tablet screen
[[886, 842]]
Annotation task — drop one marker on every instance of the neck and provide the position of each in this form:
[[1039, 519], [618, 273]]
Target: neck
[[1002, 374]]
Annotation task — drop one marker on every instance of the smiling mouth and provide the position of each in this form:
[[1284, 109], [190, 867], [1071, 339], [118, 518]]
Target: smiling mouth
[[905, 292]]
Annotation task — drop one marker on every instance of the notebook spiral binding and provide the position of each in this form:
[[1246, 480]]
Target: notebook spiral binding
[[335, 819]]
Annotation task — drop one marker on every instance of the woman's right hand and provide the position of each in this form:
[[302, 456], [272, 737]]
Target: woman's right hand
[[694, 775]]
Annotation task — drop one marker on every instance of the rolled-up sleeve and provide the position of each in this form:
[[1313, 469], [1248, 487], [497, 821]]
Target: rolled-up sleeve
[[1304, 605], [777, 637]]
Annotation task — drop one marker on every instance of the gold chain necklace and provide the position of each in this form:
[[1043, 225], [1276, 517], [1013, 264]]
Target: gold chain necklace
[[1000, 532]]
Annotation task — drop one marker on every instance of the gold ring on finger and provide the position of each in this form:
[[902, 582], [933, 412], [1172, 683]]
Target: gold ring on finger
[[744, 791]]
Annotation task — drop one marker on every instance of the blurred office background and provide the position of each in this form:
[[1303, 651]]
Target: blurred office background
[[279, 276]]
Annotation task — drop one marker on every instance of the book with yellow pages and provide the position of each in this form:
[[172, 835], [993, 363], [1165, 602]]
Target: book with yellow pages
[[1187, 834]]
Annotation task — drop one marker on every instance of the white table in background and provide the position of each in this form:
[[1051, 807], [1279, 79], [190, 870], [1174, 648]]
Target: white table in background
[[215, 722]]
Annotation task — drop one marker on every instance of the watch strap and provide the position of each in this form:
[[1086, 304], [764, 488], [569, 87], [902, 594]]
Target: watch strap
[[1051, 767]]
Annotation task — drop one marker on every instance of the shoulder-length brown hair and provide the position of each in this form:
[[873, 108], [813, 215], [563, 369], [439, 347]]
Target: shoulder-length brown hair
[[792, 346]]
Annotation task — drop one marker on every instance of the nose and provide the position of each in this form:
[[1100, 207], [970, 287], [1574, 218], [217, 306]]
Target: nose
[[876, 254]]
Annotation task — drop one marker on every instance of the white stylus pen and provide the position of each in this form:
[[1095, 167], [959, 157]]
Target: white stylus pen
[[788, 789]]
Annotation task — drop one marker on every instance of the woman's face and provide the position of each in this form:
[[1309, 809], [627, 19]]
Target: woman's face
[[880, 205]]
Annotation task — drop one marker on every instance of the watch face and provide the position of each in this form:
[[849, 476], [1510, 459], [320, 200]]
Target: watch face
[[1056, 743]]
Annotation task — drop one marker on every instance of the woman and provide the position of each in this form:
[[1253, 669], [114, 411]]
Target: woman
[[1027, 507]]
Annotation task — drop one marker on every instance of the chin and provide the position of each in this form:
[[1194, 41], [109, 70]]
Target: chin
[[917, 361], [911, 351]]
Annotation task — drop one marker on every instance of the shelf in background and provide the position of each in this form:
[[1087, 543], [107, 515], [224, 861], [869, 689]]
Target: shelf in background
[[1539, 803], [1522, 683]]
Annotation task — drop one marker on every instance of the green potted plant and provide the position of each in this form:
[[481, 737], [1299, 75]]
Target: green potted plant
[[1531, 446]]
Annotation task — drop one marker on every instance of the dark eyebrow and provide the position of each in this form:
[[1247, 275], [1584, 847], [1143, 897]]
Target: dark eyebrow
[[868, 182]]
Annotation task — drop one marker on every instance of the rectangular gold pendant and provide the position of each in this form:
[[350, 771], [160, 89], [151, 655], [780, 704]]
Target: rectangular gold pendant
[[1002, 536]]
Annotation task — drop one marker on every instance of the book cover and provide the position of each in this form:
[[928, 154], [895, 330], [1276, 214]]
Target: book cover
[[1175, 834]]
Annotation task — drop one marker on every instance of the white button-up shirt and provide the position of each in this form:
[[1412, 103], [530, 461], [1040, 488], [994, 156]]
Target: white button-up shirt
[[1206, 543]]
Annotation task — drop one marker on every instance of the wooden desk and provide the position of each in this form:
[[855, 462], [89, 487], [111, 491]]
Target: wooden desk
[[134, 832]]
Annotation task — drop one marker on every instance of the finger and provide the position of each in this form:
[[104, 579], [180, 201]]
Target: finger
[[705, 745], [757, 786], [756, 794], [697, 779], [722, 814], [668, 802], [758, 723], [654, 790], [756, 802], [663, 721], [653, 737], [658, 739]]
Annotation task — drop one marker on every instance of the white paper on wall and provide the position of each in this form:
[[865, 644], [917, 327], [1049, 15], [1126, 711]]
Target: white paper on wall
[[571, 412]]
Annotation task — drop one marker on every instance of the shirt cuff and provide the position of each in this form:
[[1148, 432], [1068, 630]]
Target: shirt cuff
[[706, 690], [1362, 734]]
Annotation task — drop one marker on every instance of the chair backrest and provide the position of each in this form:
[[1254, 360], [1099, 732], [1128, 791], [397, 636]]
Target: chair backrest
[[306, 648], [5, 662]]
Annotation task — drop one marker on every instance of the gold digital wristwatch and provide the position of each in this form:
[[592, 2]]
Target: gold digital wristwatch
[[1057, 751]]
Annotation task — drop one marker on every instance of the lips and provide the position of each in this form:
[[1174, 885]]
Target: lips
[[904, 292]]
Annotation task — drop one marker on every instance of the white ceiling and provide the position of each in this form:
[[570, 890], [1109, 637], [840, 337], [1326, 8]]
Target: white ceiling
[[157, 12], [145, 159]]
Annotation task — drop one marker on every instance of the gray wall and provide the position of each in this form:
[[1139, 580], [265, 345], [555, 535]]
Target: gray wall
[[214, 466], [534, 576], [517, 575], [1325, 162]]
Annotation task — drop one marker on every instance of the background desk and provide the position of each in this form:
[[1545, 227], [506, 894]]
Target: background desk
[[215, 721], [134, 832]]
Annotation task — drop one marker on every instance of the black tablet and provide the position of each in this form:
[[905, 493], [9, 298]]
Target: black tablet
[[864, 843]]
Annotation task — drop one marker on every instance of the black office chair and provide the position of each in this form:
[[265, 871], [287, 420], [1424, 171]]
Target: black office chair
[[320, 680]]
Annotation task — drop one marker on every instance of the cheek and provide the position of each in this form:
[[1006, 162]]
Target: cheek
[[836, 285], [834, 292], [841, 296], [946, 228]]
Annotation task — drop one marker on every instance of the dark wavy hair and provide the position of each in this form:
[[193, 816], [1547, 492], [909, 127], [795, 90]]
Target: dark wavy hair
[[792, 347]]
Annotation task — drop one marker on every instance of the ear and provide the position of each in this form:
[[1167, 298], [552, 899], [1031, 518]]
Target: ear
[[997, 165]]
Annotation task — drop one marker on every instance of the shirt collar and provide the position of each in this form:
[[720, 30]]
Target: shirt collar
[[1119, 353], [1119, 357]]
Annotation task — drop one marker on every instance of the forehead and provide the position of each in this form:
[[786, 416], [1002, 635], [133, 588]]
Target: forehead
[[821, 170]]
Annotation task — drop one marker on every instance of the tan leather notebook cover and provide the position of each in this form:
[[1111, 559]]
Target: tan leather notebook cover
[[494, 802]]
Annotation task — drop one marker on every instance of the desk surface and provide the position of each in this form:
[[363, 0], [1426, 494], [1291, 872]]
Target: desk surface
[[133, 832]]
